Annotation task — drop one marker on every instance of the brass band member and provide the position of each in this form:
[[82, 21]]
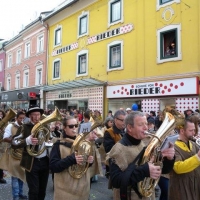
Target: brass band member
[[2, 180], [12, 165], [61, 159], [36, 168], [124, 173], [184, 181]]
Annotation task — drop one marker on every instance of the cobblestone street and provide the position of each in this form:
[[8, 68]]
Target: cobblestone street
[[99, 190]]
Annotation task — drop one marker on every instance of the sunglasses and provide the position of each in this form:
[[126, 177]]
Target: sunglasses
[[72, 126], [122, 120]]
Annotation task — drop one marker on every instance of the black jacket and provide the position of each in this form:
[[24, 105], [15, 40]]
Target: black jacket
[[133, 173], [108, 142]]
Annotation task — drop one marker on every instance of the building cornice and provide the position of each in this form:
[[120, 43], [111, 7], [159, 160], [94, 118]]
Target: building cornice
[[154, 78]]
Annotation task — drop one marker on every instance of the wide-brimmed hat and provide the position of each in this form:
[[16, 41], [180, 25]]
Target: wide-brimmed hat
[[34, 109], [189, 109]]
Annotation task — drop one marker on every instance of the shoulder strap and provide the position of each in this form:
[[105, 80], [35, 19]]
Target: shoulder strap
[[125, 183]]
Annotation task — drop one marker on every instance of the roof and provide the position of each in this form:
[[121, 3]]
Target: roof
[[73, 84], [59, 8]]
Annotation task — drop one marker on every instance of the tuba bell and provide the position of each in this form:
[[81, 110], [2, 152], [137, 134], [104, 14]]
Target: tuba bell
[[81, 146], [42, 133], [147, 186], [4, 122]]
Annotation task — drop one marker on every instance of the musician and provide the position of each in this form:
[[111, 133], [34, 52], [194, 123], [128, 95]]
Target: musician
[[123, 157], [12, 165], [114, 134], [184, 181], [36, 168], [61, 159], [2, 149]]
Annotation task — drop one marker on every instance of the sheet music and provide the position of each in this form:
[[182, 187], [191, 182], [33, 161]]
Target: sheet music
[[170, 139]]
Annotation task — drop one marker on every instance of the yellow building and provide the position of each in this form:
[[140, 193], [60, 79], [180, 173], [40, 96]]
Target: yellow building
[[147, 53]]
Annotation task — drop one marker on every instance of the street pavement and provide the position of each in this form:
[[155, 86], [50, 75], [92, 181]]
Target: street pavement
[[98, 191]]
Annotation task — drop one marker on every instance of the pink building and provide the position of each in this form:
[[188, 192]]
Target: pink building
[[25, 67], [2, 64]]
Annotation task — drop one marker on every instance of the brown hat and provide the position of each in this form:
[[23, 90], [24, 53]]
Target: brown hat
[[34, 109]]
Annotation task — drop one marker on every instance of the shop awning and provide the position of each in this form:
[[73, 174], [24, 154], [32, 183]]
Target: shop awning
[[89, 82]]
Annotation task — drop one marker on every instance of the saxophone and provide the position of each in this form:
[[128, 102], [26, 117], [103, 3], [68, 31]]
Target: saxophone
[[147, 186], [83, 147]]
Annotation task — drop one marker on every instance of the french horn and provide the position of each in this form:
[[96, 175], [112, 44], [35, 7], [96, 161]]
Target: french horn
[[81, 146]]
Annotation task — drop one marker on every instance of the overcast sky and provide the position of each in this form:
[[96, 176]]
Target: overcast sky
[[17, 13]]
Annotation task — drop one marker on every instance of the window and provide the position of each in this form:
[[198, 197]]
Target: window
[[163, 3], [27, 50], [9, 61], [1, 65], [83, 21], [18, 57], [169, 46], [26, 78], [115, 11], [82, 63], [38, 80], [115, 55], [17, 81], [8, 83], [56, 69], [57, 36], [40, 44]]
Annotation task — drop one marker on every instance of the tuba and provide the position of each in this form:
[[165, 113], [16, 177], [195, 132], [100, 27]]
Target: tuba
[[81, 146], [4, 122], [147, 186], [42, 133]]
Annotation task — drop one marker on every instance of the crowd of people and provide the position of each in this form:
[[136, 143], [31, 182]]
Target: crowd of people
[[75, 146]]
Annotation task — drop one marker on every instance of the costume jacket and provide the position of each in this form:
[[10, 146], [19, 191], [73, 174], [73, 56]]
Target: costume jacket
[[185, 178], [25, 131], [11, 164], [65, 186], [125, 172]]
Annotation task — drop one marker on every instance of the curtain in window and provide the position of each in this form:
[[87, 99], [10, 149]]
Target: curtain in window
[[115, 56], [56, 69], [116, 11], [83, 25], [82, 64]]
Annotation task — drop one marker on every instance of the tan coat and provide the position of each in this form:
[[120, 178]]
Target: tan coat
[[68, 188], [124, 155], [8, 163]]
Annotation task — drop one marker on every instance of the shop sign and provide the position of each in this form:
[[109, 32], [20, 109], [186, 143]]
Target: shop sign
[[64, 94], [111, 33], [186, 86], [65, 49], [4, 96], [96, 38]]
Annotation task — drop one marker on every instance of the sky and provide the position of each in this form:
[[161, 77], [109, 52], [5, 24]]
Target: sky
[[15, 14]]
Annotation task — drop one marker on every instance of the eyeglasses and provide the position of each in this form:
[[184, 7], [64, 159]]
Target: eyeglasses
[[72, 126], [122, 120]]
